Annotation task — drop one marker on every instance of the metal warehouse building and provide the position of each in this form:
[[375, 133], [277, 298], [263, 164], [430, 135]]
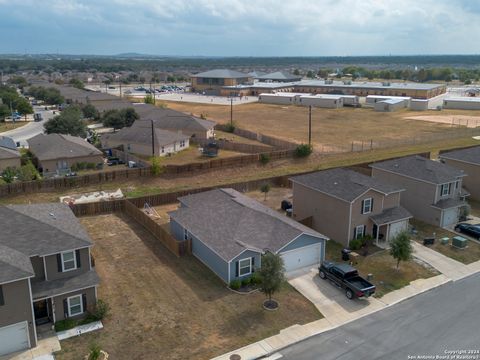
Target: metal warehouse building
[[462, 103]]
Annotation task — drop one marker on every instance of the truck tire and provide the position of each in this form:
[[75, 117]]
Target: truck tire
[[322, 275], [349, 294]]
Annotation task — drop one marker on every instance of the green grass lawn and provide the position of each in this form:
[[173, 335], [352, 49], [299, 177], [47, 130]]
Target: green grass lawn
[[465, 256]]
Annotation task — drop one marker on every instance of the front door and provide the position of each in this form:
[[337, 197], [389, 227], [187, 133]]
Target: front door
[[41, 312]]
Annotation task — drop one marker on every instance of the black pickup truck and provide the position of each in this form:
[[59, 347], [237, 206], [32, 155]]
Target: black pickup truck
[[346, 277]]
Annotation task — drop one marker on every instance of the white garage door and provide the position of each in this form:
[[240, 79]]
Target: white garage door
[[450, 217], [396, 228], [14, 338], [302, 257]]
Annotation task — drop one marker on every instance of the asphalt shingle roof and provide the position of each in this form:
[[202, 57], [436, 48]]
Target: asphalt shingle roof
[[421, 168], [470, 155], [391, 215], [59, 146], [7, 142], [36, 230], [221, 74], [143, 135], [50, 288], [448, 203], [230, 222], [344, 184]]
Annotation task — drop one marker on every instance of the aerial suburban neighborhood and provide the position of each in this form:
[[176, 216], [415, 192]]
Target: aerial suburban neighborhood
[[255, 194]]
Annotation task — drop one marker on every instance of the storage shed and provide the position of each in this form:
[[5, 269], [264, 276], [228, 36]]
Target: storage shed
[[462, 103]]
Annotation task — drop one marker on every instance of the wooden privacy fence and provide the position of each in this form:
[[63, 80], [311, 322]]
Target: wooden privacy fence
[[265, 139], [179, 248], [72, 182], [239, 147]]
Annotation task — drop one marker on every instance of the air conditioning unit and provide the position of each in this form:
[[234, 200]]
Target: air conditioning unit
[[347, 82], [328, 81], [385, 83]]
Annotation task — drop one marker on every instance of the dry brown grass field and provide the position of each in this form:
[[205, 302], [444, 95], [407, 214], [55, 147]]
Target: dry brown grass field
[[331, 128]]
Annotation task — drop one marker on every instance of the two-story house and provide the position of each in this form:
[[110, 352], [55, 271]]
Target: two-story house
[[433, 190], [46, 273], [346, 205]]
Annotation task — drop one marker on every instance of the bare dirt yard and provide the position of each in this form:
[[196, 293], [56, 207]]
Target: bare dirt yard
[[452, 119], [163, 307], [331, 128]]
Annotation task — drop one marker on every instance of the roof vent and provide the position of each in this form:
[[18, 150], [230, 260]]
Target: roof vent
[[52, 215]]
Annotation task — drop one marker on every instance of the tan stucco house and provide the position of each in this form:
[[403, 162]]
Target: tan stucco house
[[433, 191], [9, 155], [56, 153], [46, 274], [467, 160], [345, 205], [138, 140]]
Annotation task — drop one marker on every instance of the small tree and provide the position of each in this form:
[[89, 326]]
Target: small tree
[[400, 247], [8, 175], [69, 122], [156, 167], [129, 115], [90, 112], [113, 118], [271, 274], [24, 107], [265, 188]]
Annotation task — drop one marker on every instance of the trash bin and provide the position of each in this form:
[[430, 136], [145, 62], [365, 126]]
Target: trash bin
[[346, 254], [289, 212]]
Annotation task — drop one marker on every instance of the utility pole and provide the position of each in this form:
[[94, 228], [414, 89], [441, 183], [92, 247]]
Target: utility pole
[[310, 125], [120, 83], [153, 139], [231, 111]]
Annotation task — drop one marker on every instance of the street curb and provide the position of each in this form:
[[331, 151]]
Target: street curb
[[352, 320]]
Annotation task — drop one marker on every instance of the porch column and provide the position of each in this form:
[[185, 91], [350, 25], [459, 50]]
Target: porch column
[[378, 231], [53, 310], [387, 237]]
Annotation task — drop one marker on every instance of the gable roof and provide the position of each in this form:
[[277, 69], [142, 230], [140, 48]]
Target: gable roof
[[143, 135], [36, 230], [7, 143], [229, 223], [344, 184], [470, 155], [420, 168], [280, 75], [170, 120], [58, 146], [221, 74]]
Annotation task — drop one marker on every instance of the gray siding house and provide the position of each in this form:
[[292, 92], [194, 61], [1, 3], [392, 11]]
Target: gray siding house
[[433, 190], [45, 271], [467, 160], [346, 205], [230, 232]]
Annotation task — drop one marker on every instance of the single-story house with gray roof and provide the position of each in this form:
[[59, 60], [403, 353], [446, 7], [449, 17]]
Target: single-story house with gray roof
[[346, 205], [46, 273], [467, 160], [230, 232], [9, 155], [138, 140]]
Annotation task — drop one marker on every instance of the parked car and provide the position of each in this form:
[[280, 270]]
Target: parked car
[[472, 230], [347, 278], [111, 161]]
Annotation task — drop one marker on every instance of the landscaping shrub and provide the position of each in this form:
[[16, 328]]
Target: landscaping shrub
[[355, 244], [255, 278], [101, 310], [303, 150], [235, 284], [264, 159], [230, 127], [245, 281], [156, 167], [95, 351], [65, 324]]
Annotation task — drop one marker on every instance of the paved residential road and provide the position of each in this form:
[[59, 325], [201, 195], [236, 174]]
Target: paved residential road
[[445, 318], [31, 129]]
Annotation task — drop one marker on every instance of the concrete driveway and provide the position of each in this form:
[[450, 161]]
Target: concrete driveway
[[331, 300]]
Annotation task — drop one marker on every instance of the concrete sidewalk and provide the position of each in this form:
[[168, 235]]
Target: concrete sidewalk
[[330, 309], [452, 269], [338, 310]]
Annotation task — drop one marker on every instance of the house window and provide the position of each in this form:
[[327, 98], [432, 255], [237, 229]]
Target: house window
[[367, 206], [2, 300], [444, 190], [185, 234], [457, 184], [182, 143], [163, 149], [245, 267], [69, 262], [75, 305], [359, 231]]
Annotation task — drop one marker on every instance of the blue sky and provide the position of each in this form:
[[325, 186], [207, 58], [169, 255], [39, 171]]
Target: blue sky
[[241, 27]]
